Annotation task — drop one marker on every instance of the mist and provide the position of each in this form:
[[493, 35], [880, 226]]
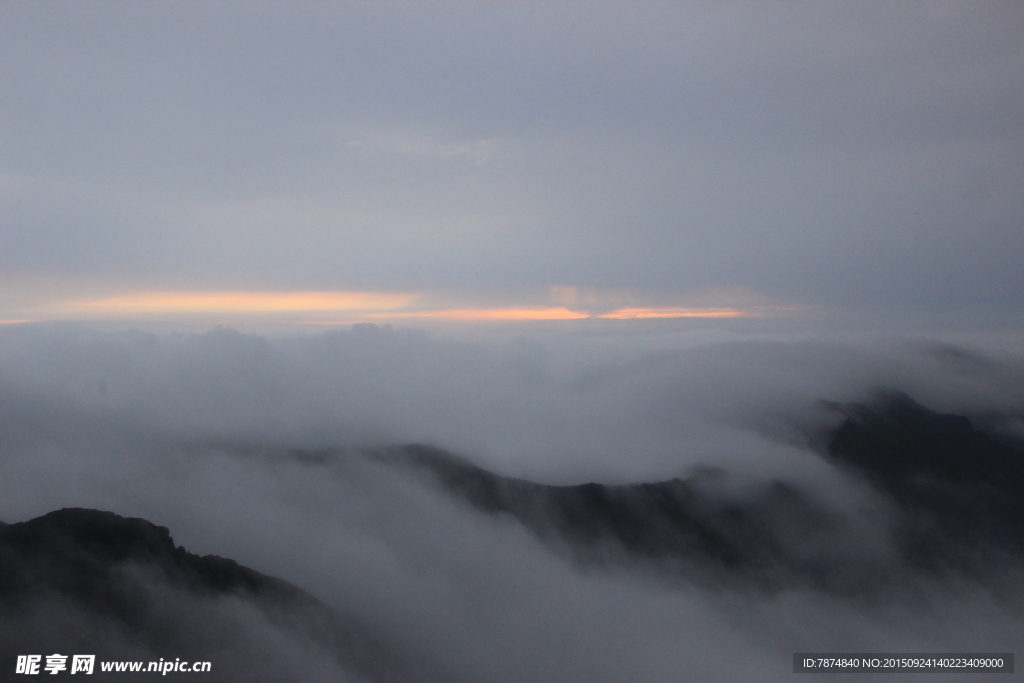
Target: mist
[[266, 450]]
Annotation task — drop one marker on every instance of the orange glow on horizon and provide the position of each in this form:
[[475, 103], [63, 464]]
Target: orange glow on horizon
[[674, 312], [238, 302], [511, 313], [353, 307], [523, 313]]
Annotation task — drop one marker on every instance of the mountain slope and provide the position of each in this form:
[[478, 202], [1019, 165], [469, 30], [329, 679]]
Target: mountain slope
[[88, 581], [948, 498]]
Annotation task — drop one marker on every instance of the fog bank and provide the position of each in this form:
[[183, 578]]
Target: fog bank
[[261, 450]]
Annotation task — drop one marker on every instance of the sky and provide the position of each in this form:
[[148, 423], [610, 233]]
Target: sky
[[451, 156]]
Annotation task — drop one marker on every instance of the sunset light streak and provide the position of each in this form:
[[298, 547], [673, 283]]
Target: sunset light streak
[[236, 302], [485, 314], [344, 307], [674, 312], [522, 313]]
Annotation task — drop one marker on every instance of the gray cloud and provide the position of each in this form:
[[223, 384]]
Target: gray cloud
[[855, 156], [199, 433]]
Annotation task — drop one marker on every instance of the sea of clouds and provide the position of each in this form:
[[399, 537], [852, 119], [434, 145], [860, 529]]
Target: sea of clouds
[[222, 436]]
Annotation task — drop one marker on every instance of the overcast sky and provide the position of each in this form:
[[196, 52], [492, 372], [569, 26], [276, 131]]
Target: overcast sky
[[834, 154]]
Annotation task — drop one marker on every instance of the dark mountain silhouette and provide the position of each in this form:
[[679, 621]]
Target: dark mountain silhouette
[[956, 503], [76, 553], [771, 536], [960, 491], [95, 582]]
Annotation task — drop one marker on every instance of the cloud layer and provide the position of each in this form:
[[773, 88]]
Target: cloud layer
[[249, 448]]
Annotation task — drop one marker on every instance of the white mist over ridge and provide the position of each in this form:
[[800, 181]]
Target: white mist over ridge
[[218, 436], [553, 407]]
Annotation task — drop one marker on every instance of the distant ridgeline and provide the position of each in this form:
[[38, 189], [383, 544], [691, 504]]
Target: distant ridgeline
[[946, 501], [951, 501]]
